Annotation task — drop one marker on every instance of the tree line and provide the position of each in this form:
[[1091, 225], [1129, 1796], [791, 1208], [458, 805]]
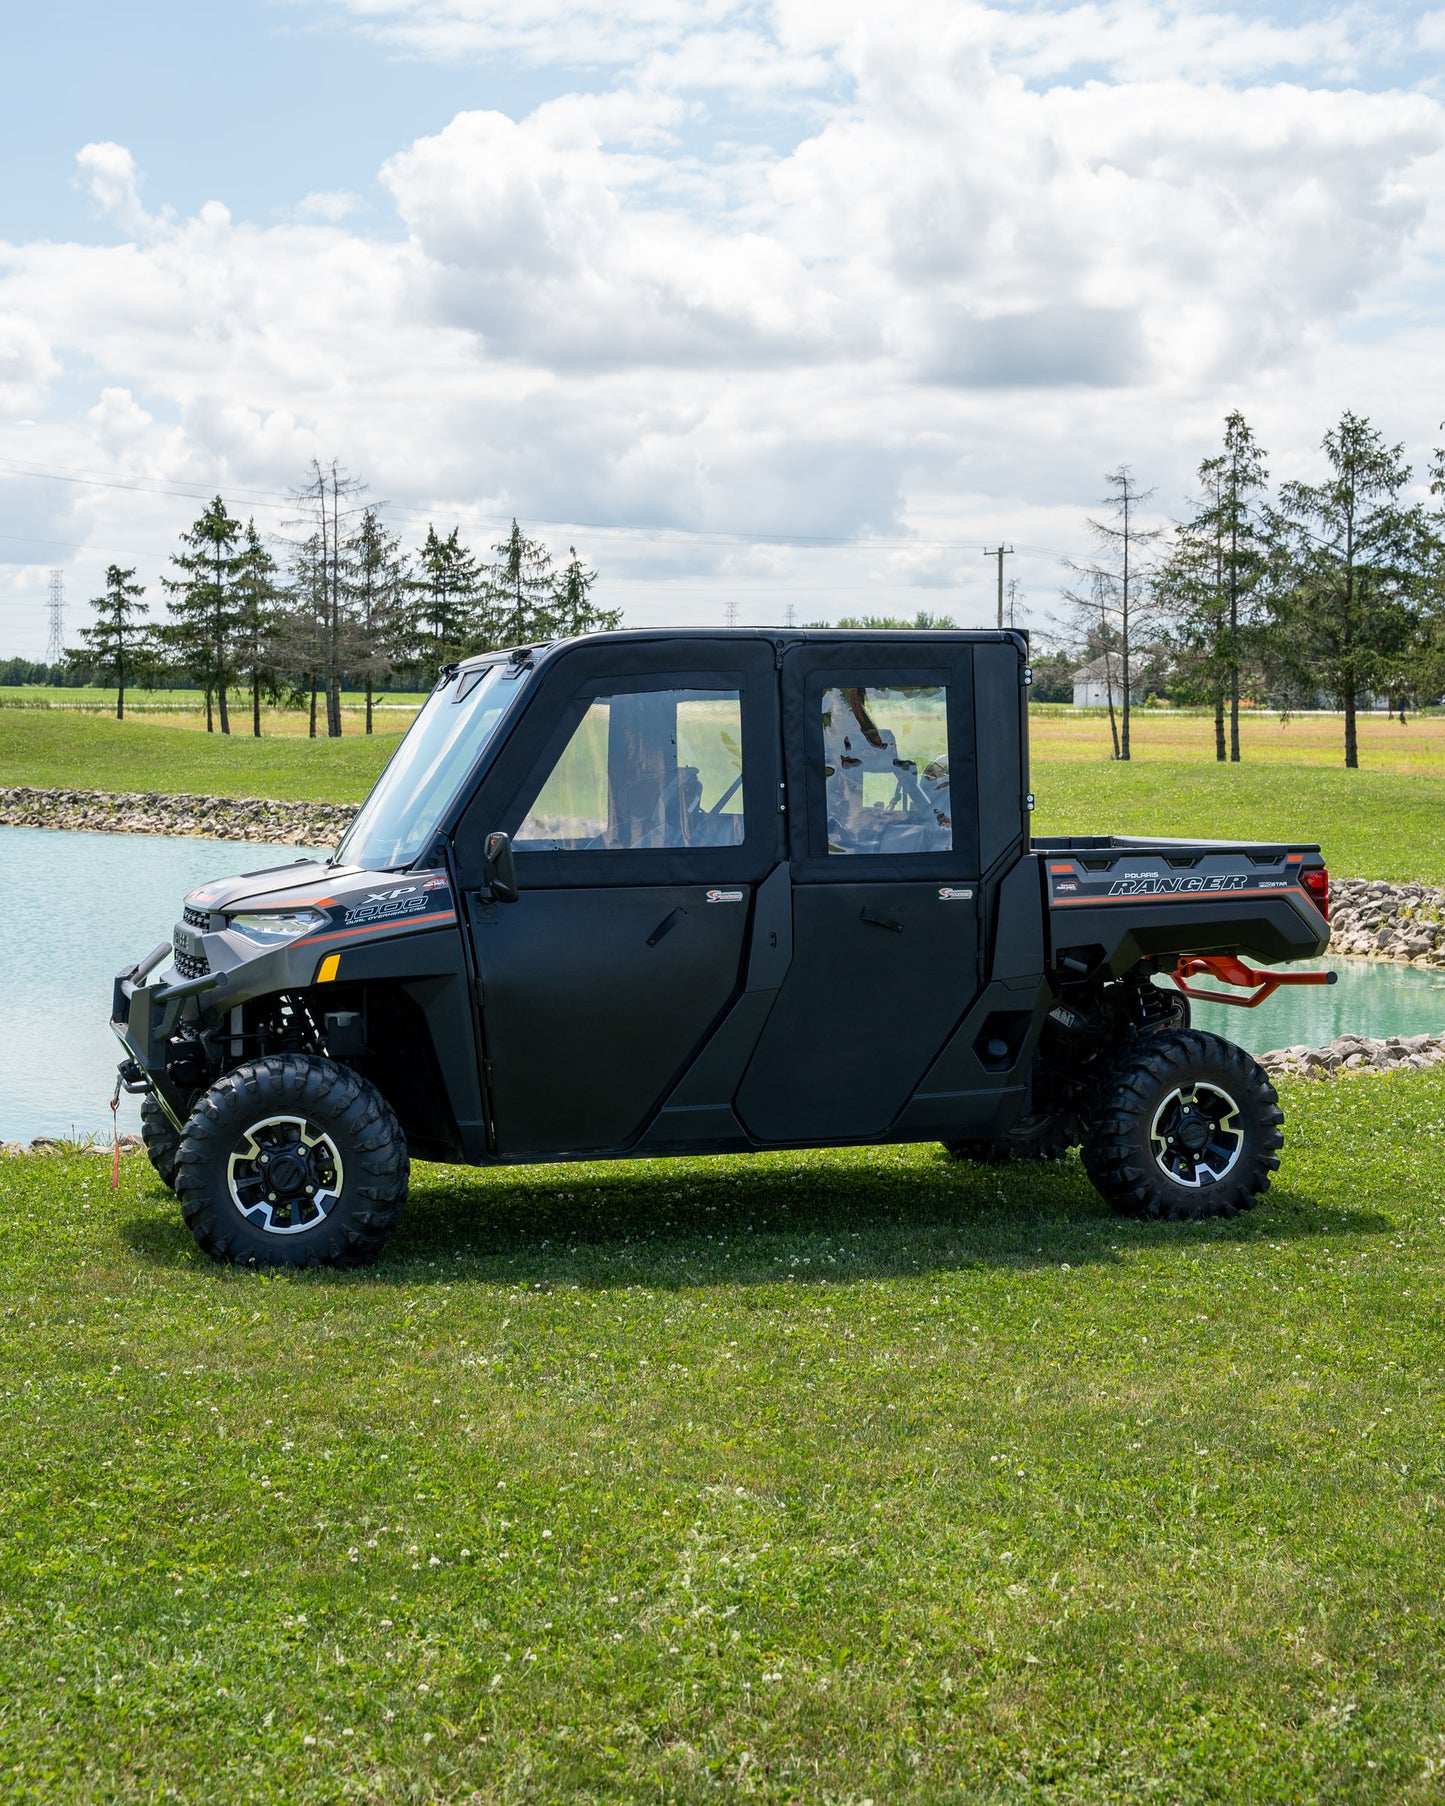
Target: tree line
[[335, 604], [1309, 593]]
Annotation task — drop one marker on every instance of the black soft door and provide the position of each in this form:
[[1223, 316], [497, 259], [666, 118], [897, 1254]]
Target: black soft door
[[881, 767], [643, 811]]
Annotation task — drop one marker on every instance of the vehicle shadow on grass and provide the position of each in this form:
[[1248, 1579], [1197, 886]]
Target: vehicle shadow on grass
[[814, 1218]]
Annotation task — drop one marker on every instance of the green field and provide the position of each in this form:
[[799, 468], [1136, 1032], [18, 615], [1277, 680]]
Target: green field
[[832, 1477], [151, 702], [1376, 823], [96, 752]]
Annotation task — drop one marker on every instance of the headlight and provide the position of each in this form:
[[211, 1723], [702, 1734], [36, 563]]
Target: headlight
[[273, 926]]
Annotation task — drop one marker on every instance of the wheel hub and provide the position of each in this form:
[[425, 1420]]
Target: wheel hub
[[284, 1175], [1196, 1135]]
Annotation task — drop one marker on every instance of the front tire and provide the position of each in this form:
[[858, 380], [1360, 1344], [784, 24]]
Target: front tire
[[292, 1161], [1185, 1125], [161, 1137]]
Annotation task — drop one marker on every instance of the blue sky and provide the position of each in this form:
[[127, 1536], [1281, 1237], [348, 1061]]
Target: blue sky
[[788, 301]]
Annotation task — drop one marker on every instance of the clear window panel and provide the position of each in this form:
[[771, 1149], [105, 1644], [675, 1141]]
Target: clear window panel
[[644, 769], [885, 766]]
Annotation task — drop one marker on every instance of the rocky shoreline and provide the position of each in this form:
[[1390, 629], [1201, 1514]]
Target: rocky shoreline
[[1370, 919], [1348, 1054], [154, 812]]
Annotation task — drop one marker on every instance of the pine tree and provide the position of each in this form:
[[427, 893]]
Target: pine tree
[[1213, 579], [572, 610], [518, 592], [203, 612], [258, 624], [381, 586], [117, 646], [1352, 572], [446, 590]]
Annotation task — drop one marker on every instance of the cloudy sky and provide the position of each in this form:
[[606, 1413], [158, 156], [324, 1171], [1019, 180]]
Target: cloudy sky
[[799, 302]]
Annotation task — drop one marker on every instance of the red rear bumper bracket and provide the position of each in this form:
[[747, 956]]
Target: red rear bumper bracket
[[1230, 970]]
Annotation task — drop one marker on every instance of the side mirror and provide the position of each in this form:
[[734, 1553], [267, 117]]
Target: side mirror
[[500, 868]]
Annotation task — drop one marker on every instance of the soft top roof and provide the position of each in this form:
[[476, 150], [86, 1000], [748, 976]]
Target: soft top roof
[[779, 637]]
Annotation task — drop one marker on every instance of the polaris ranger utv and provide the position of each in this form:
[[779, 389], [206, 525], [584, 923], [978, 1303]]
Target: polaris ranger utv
[[707, 892]]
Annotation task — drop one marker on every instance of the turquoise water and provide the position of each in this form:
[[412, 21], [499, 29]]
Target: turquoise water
[[75, 909], [1370, 997]]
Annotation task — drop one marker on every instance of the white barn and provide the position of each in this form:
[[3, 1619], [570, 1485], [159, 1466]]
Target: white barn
[[1092, 682]]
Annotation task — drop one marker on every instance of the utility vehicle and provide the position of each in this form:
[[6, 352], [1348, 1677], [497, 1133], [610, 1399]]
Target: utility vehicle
[[644, 893]]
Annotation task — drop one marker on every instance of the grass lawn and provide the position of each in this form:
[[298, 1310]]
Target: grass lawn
[[97, 752], [187, 708], [834, 1477]]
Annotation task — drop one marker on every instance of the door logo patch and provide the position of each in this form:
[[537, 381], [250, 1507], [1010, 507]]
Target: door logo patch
[[725, 896], [947, 893]]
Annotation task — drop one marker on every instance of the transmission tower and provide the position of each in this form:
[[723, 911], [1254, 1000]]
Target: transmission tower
[[55, 611], [730, 612]]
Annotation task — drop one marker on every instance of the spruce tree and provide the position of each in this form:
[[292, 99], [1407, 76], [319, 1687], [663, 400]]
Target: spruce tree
[[446, 591], [1352, 572], [117, 645], [572, 610], [258, 624], [518, 588], [1213, 579], [203, 609], [381, 585]]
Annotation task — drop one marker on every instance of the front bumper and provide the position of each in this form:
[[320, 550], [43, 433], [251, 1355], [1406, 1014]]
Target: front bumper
[[144, 1016]]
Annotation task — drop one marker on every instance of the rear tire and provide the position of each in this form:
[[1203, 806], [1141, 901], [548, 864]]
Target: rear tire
[[1185, 1125], [292, 1161], [162, 1139]]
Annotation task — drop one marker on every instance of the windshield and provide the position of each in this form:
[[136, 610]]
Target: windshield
[[426, 771]]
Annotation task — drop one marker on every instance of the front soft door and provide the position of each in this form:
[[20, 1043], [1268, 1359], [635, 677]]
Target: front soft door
[[640, 833], [885, 963]]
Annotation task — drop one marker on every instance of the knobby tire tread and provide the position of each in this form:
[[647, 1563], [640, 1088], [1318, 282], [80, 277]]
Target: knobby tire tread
[[349, 1107], [162, 1143], [1122, 1168]]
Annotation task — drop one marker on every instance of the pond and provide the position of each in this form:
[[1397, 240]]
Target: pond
[[1370, 997], [75, 908]]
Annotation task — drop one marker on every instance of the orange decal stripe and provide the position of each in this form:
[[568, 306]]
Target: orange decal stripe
[[399, 922], [1179, 896]]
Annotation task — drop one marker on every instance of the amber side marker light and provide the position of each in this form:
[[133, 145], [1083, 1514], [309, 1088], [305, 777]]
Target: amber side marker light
[[328, 968]]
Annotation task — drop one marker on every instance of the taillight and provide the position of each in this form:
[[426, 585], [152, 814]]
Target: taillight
[[1317, 882]]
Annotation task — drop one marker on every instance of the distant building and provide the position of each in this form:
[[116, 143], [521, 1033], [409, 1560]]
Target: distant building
[[1092, 683]]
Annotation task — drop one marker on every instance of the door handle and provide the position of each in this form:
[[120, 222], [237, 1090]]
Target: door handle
[[665, 926], [874, 920]]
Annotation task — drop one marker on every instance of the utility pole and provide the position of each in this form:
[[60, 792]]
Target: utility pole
[[55, 611], [1000, 552]]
